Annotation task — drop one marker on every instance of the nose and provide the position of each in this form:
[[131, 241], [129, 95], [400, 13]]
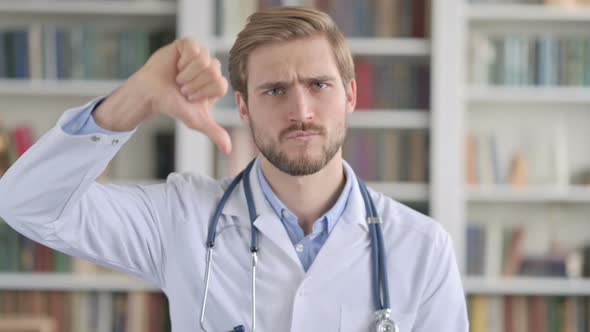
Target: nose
[[300, 109]]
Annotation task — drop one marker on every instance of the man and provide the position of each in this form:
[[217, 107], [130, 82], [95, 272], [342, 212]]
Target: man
[[294, 80]]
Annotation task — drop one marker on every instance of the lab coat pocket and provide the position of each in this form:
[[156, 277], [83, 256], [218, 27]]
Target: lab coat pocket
[[353, 319]]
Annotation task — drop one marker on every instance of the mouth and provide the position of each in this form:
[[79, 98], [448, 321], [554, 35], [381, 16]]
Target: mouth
[[300, 135]]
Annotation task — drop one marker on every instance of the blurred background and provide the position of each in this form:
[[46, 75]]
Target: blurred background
[[472, 112]]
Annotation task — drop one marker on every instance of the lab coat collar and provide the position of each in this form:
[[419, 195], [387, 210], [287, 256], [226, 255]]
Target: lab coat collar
[[267, 219], [267, 222]]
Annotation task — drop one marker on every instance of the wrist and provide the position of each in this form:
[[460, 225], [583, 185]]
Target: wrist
[[125, 108]]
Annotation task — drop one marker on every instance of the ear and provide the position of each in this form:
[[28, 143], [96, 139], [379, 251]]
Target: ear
[[242, 109], [350, 95]]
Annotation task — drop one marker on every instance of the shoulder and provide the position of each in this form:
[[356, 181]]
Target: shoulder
[[404, 221], [196, 183], [188, 192]]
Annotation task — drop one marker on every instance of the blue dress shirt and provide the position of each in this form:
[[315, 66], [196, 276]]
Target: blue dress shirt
[[307, 247], [84, 123]]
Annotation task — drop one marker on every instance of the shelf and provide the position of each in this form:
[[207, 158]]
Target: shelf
[[527, 13], [398, 119], [531, 194], [71, 282], [402, 191], [65, 88], [529, 95], [120, 8], [527, 286], [365, 46]]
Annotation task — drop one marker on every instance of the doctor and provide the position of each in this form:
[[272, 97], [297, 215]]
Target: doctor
[[294, 80]]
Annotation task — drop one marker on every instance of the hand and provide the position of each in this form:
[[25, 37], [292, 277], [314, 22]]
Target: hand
[[184, 82]]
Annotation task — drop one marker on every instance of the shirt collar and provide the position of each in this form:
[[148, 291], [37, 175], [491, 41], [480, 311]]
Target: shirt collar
[[331, 216]]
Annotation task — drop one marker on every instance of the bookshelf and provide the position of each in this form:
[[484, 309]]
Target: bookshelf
[[525, 195], [456, 107], [36, 101]]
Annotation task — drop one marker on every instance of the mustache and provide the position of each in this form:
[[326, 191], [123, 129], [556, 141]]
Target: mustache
[[302, 127]]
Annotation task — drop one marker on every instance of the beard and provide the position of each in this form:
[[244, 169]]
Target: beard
[[301, 165]]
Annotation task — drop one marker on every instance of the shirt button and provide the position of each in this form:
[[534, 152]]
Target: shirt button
[[115, 142], [299, 247], [95, 138], [285, 214]]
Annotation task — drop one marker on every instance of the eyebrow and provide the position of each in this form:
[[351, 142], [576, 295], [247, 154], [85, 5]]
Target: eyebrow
[[274, 84]]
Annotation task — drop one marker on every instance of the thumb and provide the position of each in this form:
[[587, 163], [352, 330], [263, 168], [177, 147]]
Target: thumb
[[217, 134]]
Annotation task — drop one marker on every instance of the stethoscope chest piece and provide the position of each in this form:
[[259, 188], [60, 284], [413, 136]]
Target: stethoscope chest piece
[[383, 322]]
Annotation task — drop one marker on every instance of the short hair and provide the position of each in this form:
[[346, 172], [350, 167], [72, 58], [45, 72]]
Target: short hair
[[278, 24]]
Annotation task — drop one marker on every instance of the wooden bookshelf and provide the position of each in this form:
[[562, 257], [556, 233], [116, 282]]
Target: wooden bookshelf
[[494, 109]]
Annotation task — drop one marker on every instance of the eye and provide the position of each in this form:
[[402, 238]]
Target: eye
[[275, 92], [320, 85]]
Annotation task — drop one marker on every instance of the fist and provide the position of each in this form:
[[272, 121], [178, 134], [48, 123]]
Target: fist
[[184, 82]]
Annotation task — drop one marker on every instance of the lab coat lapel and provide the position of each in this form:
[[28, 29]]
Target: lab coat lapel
[[350, 233], [267, 222]]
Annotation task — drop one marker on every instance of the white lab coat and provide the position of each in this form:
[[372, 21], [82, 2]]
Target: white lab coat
[[158, 232]]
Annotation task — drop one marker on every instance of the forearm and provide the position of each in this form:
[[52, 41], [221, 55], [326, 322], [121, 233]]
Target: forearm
[[126, 108], [38, 187]]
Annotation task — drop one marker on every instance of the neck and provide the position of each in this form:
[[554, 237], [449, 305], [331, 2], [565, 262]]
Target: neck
[[309, 196]]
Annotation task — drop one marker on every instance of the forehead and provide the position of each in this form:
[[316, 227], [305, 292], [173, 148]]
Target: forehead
[[306, 57]]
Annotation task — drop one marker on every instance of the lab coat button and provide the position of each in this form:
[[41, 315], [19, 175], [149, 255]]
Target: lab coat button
[[115, 142], [299, 247], [95, 138]]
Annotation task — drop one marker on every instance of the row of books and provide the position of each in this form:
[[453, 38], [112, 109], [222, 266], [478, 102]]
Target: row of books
[[375, 155], [13, 143], [20, 254], [538, 159], [371, 18], [391, 83], [528, 313], [521, 60], [495, 250], [382, 83], [85, 311], [52, 51]]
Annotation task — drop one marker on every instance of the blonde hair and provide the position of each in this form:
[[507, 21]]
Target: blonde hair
[[283, 24]]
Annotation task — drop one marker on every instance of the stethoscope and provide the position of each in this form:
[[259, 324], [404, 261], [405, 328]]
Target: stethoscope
[[382, 320]]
